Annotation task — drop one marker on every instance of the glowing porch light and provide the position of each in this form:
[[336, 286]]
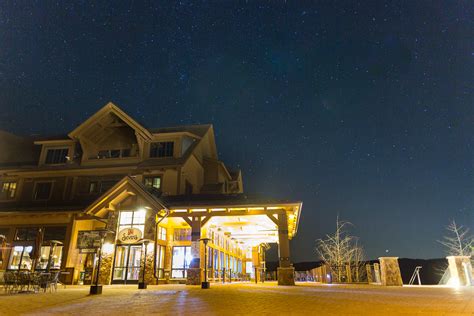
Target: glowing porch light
[[256, 208], [218, 209], [107, 248], [236, 209], [150, 247], [194, 210], [179, 211]]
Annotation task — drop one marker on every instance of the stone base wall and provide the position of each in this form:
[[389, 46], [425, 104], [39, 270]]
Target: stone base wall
[[286, 276], [460, 269], [149, 274], [390, 271], [105, 269], [194, 276]]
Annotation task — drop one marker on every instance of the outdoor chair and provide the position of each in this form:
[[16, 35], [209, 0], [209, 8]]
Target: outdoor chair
[[10, 284], [53, 281], [35, 280], [44, 281], [24, 281]]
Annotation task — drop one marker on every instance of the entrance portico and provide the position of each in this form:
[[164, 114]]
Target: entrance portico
[[248, 224], [239, 230]]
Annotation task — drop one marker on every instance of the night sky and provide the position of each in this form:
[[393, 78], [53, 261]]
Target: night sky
[[362, 109]]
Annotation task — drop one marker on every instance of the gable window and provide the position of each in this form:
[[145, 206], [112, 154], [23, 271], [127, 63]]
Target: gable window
[[153, 183], [43, 190], [56, 156], [132, 219], [161, 149], [8, 190]]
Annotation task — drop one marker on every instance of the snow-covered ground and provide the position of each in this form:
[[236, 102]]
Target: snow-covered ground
[[234, 299]]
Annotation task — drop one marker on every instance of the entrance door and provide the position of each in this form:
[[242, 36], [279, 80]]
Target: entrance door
[[127, 264], [181, 259]]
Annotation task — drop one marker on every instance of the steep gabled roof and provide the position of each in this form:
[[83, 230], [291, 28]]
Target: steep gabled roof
[[198, 130], [17, 151], [107, 109], [119, 192]]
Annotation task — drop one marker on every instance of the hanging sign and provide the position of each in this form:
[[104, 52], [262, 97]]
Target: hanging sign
[[88, 240], [129, 235]]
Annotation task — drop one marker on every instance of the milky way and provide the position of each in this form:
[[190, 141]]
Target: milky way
[[363, 110]]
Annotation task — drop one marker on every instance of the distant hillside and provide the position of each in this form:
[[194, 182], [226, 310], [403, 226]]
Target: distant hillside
[[431, 272]]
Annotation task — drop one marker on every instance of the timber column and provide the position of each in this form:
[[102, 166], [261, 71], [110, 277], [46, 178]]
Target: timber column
[[194, 270], [286, 273]]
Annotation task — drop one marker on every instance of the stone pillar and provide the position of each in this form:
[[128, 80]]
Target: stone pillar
[[390, 271], [106, 262], [194, 270], [460, 270], [368, 268], [286, 273], [377, 273], [149, 262]]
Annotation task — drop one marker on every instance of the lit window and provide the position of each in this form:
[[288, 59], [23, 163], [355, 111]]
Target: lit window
[[8, 190], [56, 156], [43, 190], [20, 258], [161, 149], [180, 262], [153, 182], [161, 261], [181, 234], [161, 233], [131, 219], [42, 263]]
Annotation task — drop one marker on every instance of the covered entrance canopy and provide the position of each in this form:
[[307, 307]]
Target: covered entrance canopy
[[250, 221], [242, 221]]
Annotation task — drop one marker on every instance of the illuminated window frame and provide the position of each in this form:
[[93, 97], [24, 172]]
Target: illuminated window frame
[[8, 190]]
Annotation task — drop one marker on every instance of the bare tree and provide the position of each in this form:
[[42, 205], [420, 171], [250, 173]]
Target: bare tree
[[358, 262], [457, 241], [340, 249]]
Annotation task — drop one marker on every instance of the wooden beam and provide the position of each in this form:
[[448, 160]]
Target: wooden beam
[[205, 220], [187, 220], [231, 213], [270, 216]]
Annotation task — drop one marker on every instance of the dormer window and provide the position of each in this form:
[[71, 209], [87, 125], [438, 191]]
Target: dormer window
[[161, 149], [56, 156], [114, 153]]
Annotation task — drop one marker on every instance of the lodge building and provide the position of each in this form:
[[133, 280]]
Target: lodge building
[[143, 198]]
